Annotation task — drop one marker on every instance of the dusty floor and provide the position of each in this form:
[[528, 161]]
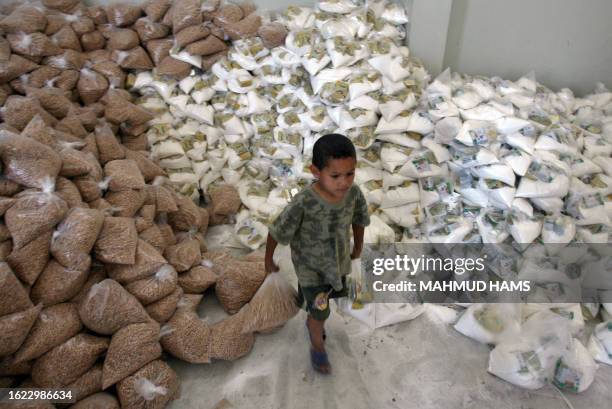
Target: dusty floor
[[422, 364]]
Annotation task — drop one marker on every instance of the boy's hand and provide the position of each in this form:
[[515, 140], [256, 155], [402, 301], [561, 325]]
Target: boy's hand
[[355, 255], [270, 267]]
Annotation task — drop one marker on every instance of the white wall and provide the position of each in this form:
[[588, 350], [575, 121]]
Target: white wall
[[568, 43], [428, 31]]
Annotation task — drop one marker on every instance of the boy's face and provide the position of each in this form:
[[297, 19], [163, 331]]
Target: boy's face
[[336, 178]]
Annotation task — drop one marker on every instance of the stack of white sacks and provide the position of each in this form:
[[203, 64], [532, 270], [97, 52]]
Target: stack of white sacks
[[251, 121], [462, 160]]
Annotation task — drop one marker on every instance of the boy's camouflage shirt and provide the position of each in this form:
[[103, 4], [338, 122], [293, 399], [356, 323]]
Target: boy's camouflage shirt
[[319, 234]]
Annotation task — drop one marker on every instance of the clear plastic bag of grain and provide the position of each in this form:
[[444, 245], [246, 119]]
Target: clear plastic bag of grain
[[108, 307], [152, 387], [191, 34], [120, 38], [133, 59], [91, 86], [14, 329], [33, 45], [188, 215], [225, 200], [127, 202], [53, 100], [131, 348], [58, 284], [66, 362], [185, 13], [166, 203], [15, 67], [159, 49], [76, 162], [123, 15], [26, 18], [155, 287], [186, 336], [148, 261], [156, 9], [162, 310], [146, 217], [227, 340], [76, 235], [149, 169], [69, 60], [274, 303], [124, 174], [29, 261], [65, 6], [273, 34], [173, 68], [34, 213], [88, 384], [208, 46], [109, 146], [55, 325], [238, 284], [197, 280], [150, 30], [93, 41], [96, 275], [112, 71], [184, 255], [119, 110], [28, 162], [66, 38], [154, 237], [247, 27], [89, 188]]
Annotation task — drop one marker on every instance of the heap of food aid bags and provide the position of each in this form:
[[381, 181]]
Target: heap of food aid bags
[[252, 120], [458, 160], [102, 264]]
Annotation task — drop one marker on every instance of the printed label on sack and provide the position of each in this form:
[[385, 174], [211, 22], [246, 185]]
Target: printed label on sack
[[479, 136], [528, 130], [528, 361], [566, 377]]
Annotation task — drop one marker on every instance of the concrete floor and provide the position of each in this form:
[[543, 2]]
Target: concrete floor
[[421, 364]]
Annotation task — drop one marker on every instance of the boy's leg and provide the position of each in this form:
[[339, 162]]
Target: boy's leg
[[316, 300], [318, 355], [315, 328]]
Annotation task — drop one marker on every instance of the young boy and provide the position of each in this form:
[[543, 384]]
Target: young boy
[[316, 224]]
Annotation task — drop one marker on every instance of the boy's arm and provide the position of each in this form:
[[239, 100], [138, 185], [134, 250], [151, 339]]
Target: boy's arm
[[269, 260], [361, 219], [282, 231], [358, 231]]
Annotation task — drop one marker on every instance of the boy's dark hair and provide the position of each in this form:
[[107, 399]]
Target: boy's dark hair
[[332, 146]]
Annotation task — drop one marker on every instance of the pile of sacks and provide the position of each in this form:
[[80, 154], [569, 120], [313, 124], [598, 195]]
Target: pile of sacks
[[85, 285], [134, 36], [61, 50], [461, 160], [99, 256], [251, 122], [96, 259], [537, 344], [519, 165]]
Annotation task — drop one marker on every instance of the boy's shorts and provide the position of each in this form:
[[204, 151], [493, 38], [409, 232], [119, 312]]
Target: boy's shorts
[[315, 300]]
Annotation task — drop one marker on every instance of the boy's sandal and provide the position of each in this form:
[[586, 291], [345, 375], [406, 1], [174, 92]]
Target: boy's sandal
[[320, 361]]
